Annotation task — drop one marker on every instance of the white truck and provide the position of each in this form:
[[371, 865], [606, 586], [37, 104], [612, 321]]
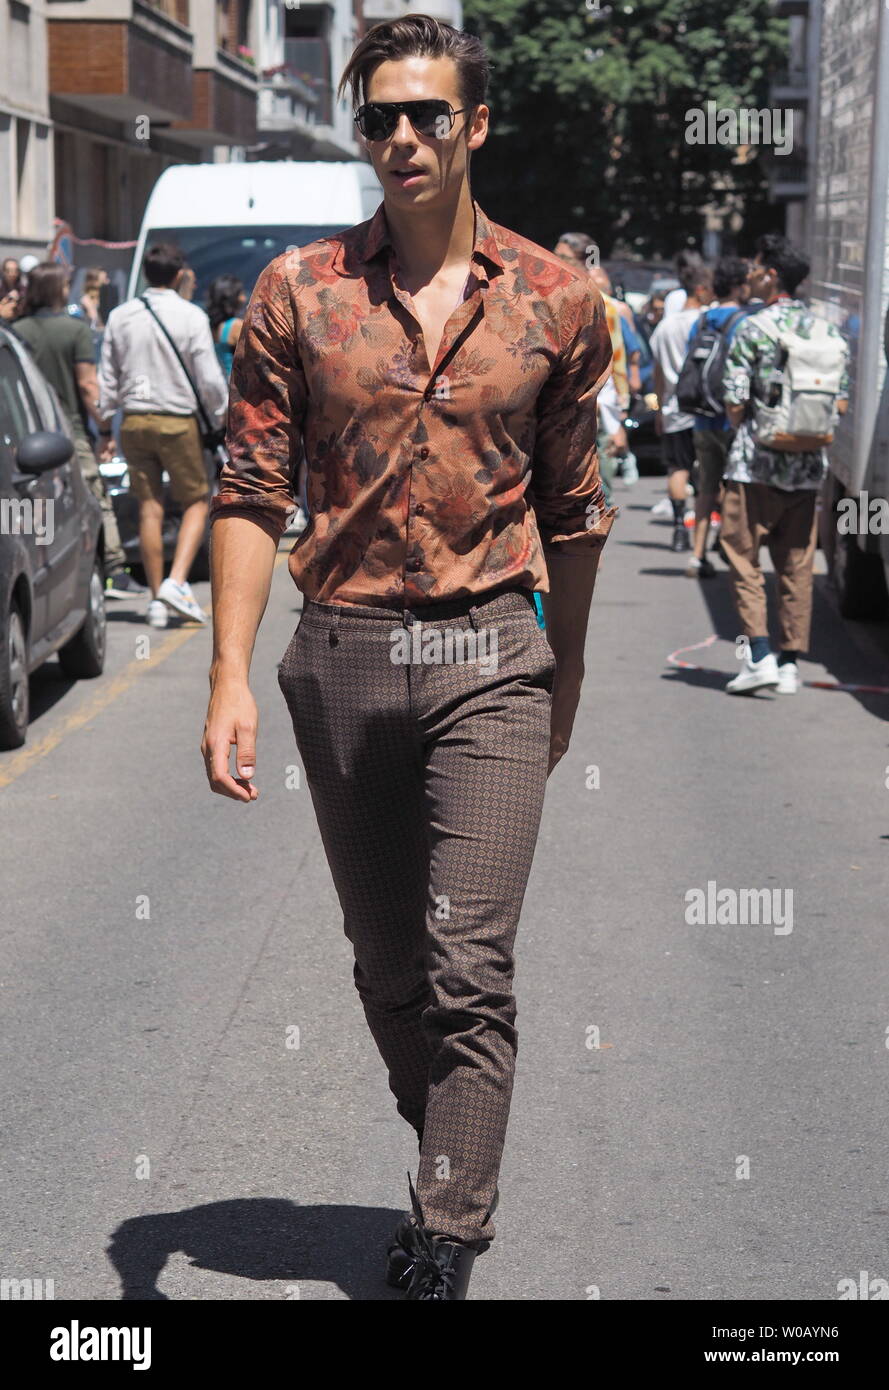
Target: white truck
[[850, 286], [235, 218]]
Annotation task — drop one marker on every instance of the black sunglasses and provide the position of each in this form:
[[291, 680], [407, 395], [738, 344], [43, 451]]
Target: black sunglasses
[[377, 120]]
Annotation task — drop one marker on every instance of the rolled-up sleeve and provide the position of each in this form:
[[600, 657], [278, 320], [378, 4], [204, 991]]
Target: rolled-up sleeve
[[109, 372], [569, 501], [267, 403]]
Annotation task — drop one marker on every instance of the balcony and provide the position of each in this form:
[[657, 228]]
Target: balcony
[[308, 60], [223, 109], [285, 101], [139, 65]]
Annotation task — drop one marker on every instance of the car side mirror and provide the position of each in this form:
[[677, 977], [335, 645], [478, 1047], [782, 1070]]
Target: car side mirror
[[42, 450]]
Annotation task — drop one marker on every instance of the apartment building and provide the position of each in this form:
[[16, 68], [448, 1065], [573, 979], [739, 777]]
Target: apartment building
[[304, 47], [136, 85], [795, 88], [26, 137], [98, 97]]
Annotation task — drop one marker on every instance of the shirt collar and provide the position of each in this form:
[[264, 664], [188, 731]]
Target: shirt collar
[[486, 248]]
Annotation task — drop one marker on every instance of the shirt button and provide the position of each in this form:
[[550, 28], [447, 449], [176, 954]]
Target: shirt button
[[419, 509], [424, 452], [414, 564]]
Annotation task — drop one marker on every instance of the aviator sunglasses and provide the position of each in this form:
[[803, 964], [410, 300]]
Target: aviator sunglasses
[[377, 120]]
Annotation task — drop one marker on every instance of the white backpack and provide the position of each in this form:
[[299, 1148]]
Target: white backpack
[[799, 413]]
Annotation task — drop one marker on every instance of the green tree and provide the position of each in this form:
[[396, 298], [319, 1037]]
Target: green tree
[[588, 115]]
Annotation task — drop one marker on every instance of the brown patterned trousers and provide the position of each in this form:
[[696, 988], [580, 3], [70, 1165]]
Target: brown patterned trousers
[[427, 775]]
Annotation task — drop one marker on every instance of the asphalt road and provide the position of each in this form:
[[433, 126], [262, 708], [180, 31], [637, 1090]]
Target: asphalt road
[[161, 944]]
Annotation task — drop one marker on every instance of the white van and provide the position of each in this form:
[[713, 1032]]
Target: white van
[[232, 219]]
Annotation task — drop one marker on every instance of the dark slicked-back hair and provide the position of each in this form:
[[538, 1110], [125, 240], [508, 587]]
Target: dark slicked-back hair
[[418, 36]]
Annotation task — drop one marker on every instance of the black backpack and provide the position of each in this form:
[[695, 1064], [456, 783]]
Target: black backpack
[[699, 390]]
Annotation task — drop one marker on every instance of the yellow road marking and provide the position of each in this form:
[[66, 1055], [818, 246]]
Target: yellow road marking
[[104, 697], [20, 762]]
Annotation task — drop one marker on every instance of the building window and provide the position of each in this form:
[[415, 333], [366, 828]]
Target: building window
[[174, 9], [232, 24]]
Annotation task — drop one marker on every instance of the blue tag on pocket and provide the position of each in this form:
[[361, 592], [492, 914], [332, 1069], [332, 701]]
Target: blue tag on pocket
[[538, 604]]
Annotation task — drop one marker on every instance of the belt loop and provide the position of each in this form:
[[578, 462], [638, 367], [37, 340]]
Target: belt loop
[[474, 616], [333, 633]]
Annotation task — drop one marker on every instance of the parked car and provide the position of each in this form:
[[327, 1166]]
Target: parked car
[[52, 585], [636, 281]]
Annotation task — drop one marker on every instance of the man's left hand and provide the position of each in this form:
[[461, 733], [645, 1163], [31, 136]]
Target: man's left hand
[[565, 699]]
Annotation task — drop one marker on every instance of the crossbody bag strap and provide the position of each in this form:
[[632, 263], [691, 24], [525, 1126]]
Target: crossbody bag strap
[[205, 422]]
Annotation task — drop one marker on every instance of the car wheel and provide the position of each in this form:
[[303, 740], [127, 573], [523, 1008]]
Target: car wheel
[[14, 694], [84, 655]]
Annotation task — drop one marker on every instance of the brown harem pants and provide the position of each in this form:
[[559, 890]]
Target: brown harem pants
[[428, 781], [753, 513]]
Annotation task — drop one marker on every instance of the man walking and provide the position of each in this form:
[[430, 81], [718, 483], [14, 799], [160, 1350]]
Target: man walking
[[442, 372], [777, 460], [139, 372], [62, 347], [669, 344], [712, 332]]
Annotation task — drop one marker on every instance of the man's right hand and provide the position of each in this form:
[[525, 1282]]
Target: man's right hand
[[232, 718]]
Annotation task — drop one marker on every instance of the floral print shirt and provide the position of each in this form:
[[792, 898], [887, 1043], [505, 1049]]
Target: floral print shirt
[[425, 480], [751, 357]]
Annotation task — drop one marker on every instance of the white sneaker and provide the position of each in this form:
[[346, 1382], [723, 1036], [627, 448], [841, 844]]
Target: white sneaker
[[629, 471], [788, 679], [156, 614], [180, 598], [662, 511], [754, 675]]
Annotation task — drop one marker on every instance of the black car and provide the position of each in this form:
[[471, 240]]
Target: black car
[[52, 586], [116, 475]]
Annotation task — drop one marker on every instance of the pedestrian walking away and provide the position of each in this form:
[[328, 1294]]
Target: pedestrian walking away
[[669, 345], [158, 364], [62, 346], [778, 460], [578, 249], [442, 373], [225, 310], [676, 299], [11, 290], [700, 390]]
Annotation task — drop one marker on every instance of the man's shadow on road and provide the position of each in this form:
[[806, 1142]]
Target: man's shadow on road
[[260, 1238]]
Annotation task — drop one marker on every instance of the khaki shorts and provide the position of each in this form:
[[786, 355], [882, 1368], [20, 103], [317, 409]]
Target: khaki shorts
[[153, 443]]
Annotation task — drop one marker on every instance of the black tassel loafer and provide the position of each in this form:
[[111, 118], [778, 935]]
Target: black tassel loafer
[[429, 1267]]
